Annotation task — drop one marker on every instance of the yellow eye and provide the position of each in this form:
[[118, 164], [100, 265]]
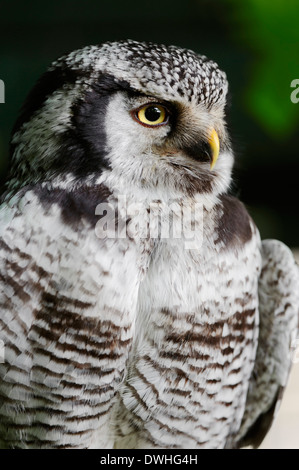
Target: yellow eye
[[152, 115]]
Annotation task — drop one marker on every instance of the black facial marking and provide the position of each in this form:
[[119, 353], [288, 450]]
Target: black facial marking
[[49, 82], [84, 146]]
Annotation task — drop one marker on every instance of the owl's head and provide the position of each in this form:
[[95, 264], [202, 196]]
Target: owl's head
[[135, 114]]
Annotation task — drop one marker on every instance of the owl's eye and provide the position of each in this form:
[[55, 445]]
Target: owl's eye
[[152, 115]]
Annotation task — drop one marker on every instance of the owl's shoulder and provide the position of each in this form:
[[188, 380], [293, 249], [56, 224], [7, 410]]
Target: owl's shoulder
[[233, 224], [46, 223], [76, 205], [72, 205]]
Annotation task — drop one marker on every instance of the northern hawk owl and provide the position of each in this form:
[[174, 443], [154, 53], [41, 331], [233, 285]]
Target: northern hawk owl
[[116, 332]]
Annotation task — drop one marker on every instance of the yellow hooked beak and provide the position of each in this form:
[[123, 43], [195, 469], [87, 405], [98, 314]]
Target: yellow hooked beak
[[214, 144]]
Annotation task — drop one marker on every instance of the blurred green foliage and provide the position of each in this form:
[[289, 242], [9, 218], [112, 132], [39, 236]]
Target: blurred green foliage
[[269, 28]]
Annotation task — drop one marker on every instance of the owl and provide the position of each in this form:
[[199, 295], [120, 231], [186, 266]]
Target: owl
[[138, 306]]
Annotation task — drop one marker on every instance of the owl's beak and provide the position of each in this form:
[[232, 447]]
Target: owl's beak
[[206, 149], [214, 146]]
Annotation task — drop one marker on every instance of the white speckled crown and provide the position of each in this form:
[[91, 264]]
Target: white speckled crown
[[154, 69]]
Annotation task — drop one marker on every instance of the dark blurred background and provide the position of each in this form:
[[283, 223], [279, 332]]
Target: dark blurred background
[[255, 41]]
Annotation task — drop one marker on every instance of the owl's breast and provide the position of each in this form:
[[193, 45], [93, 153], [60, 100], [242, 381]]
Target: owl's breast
[[194, 347]]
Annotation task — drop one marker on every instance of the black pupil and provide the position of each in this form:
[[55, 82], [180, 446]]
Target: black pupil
[[153, 113]]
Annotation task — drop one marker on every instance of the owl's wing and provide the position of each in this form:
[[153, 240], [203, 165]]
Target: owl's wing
[[278, 307], [65, 320]]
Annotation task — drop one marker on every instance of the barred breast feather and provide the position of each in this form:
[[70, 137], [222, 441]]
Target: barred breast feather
[[130, 343], [65, 326]]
